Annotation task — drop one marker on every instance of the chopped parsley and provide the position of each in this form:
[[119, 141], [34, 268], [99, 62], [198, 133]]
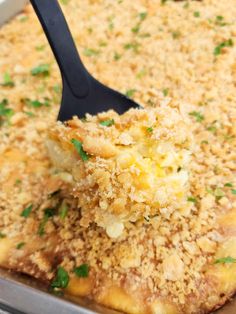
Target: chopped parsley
[[26, 212], [18, 181], [219, 21], [176, 34], [107, 122], [65, 2], [7, 80], [136, 28], [196, 14], [40, 48], [233, 191], [219, 193], [142, 15], [192, 199], [37, 103], [48, 213], [4, 110], [225, 260], [20, 245], [212, 128], [57, 88], [2, 235], [117, 56], [61, 280], [149, 130], [91, 52], [165, 91], [132, 46], [199, 117], [42, 69], [79, 148], [229, 184], [130, 93], [219, 49], [82, 271], [63, 210]]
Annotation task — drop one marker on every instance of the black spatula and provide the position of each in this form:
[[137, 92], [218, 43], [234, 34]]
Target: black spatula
[[81, 92]]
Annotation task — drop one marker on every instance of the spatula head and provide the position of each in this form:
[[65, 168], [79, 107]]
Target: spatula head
[[98, 99]]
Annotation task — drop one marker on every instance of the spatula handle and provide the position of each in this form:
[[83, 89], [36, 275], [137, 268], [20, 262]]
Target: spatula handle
[[60, 39]]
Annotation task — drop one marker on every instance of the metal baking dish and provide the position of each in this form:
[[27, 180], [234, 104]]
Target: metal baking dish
[[23, 295]]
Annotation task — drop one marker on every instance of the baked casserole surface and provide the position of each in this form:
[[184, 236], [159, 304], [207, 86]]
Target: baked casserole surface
[[136, 212]]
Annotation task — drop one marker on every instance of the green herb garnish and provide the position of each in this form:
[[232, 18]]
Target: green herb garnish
[[26, 212], [192, 199], [42, 69], [63, 210], [2, 235], [229, 184], [149, 130], [40, 48], [79, 148], [117, 56], [20, 245], [132, 46], [37, 103], [91, 52], [7, 80], [199, 117], [4, 111], [107, 122], [233, 191], [196, 14], [165, 91], [218, 49], [176, 34], [61, 280], [82, 271], [225, 260], [220, 21], [219, 193], [130, 93], [142, 15], [48, 213]]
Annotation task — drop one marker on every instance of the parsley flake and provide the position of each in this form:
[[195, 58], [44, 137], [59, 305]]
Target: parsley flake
[[107, 122], [142, 15], [2, 235], [199, 117], [192, 199], [63, 210], [4, 111], [61, 280], [20, 245], [37, 103], [48, 213], [26, 212], [233, 191], [219, 49], [79, 148], [225, 260], [196, 14], [130, 93], [7, 80], [165, 91], [82, 271], [229, 184], [42, 69], [149, 130], [117, 56], [91, 52]]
